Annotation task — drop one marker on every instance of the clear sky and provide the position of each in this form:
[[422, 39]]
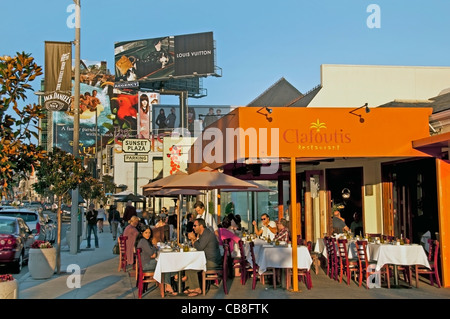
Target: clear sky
[[257, 41]]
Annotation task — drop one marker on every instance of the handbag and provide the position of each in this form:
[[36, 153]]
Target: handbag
[[116, 249]]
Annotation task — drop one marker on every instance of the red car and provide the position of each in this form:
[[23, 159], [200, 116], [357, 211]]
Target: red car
[[16, 239]]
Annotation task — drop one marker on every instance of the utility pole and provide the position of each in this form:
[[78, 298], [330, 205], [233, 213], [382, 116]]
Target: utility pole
[[74, 218]]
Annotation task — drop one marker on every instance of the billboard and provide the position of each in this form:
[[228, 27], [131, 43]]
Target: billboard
[[164, 58], [95, 111]]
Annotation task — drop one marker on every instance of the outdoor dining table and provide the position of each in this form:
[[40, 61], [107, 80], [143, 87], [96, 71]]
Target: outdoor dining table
[[177, 262], [396, 255], [273, 256], [351, 248]]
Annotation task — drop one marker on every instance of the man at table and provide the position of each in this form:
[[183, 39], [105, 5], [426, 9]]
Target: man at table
[[339, 225], [208, 218], [202, 239], [268, 228]]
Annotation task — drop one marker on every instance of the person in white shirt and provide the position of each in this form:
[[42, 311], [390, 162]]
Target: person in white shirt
[[268, 227], [209, 218]]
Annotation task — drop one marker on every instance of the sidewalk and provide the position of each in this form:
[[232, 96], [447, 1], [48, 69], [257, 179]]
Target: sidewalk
[[100, 279]]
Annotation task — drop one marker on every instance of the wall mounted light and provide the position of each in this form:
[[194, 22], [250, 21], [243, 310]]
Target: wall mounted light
[[367, 109], [268, 110]]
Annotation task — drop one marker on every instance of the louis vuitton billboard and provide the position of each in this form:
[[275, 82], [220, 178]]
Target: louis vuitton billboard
[[165, 57]]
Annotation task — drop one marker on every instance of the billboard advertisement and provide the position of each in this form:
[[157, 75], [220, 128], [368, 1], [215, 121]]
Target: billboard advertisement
[[164, 58], [95, 112]]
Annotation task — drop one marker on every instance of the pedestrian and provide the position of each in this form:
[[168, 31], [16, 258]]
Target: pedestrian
[[91, 218], [130, 210], [209, 218], [114, 220], [100, 218]]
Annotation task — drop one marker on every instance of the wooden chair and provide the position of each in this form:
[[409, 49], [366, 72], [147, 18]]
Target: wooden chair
[[346, 265], [254, 269], [242, 264], [219, 273], [303, 275], [366, 265], [143, 278], [314, 256], [123, 253], [433, 254], [332, 267]]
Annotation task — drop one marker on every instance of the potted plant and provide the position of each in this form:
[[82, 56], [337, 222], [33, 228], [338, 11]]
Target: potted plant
[[9, 287], [42, 260]]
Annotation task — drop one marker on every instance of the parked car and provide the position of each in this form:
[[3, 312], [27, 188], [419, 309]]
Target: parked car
[[43, 227], [16, 239]]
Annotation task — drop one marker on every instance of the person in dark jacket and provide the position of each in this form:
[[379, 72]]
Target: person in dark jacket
[[91, 218], [114, 220]]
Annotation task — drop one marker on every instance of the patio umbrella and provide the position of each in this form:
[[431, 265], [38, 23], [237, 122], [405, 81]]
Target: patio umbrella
[[163, 181], [208, 180], [131, 197]]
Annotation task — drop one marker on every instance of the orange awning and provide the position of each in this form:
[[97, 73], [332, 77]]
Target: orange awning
[[255, 134]]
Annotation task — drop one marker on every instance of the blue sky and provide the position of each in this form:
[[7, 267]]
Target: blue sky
[[257, 41]]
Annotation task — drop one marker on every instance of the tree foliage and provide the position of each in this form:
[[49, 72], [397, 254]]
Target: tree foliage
[[60, 172], [18, 125], [91, 188]]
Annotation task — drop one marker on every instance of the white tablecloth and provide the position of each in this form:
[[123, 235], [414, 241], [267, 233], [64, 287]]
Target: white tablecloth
[[178, 261], [281, 257], [351, 248], [398, 255]]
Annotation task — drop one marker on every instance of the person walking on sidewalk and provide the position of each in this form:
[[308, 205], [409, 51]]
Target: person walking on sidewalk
[[91, 218], [114, 220], [100, 218], [130, 210]]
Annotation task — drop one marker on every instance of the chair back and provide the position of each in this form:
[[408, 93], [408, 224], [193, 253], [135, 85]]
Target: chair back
[[361, 248], [433, 251], [252, 253], [139, 263], [241, 249], [123, 244], [342, 250], [309, 246]]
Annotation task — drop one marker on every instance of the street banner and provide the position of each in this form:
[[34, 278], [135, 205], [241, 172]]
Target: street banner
[[58, 75]]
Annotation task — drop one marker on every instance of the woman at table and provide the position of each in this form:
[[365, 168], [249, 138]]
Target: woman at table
[[225, 232], [283, 231], [148, 255]]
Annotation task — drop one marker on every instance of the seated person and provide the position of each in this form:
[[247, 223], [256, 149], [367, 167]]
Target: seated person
[[162, 220], [148, 255], [226, 233], [268, 228], [339, 225], [356, 226], [283, 231], [202, 239]]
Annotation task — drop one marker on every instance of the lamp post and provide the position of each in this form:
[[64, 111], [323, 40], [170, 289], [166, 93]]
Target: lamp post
[[74, 220]]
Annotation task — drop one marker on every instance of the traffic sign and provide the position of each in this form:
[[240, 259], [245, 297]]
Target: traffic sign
[[136, 145], [135, 158]]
